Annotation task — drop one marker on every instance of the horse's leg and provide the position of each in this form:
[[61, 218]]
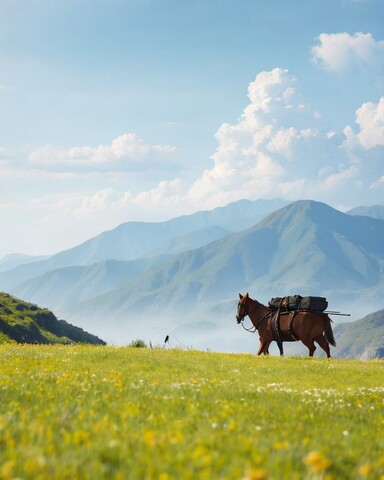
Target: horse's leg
[[263, 348], [280, 345], [266, 348], [322, 341], [308, 342]]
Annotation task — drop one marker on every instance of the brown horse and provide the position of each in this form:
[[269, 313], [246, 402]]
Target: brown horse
[[307, 327]]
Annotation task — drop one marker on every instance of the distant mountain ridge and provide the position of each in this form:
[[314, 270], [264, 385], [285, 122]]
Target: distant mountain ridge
[[13, 260], [374, 211], [133, 240], [306, 247], [189, 283], [362, 339]]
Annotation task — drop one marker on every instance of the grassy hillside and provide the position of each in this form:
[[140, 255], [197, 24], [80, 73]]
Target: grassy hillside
[[116, 413], [24, 322]]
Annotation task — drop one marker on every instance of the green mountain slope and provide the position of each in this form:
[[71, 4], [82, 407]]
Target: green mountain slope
[[307, 248], [362, 339], [67, 286], [133, 240], [24, 322], [70, 285]]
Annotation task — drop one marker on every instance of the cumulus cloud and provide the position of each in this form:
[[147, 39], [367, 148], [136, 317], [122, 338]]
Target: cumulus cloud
[[126, 152], [370, 117], [338, 51], [164, 196], [257, 152], [279, 149]]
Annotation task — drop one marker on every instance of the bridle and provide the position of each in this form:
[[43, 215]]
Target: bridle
[[244, 307], [246, 312]]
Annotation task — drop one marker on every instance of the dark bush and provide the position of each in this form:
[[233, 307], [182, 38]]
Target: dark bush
[[138, 344]]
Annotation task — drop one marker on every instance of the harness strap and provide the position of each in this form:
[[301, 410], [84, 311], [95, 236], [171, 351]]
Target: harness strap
[[290, 326], [254, 327], [275, 328]]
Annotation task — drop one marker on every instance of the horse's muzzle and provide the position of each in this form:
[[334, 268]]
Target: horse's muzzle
[[238, 319]]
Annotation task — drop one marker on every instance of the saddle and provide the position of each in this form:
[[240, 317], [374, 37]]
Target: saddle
[[282, 326]]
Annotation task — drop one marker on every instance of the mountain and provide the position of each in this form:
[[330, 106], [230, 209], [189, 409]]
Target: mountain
[[133, 240], [70, 285], [374, 211], [189, 241], [24, 322], [362, 339], [13, 260], [307, 248]]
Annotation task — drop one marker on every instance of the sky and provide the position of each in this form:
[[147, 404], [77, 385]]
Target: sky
[[144, 110]]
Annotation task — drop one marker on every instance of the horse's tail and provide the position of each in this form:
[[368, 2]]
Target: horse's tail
[[328, 332]]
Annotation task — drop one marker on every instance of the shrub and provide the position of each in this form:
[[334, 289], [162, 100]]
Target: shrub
[[138, 344]]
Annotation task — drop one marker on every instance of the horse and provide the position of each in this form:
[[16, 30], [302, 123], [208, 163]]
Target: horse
[[307, 327]]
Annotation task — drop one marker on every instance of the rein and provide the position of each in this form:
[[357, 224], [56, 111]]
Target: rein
[[254, 327]]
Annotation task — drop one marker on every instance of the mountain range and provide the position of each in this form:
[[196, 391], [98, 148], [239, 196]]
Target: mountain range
[[135, 240], [145, 280], [362, 339], [374, 211]]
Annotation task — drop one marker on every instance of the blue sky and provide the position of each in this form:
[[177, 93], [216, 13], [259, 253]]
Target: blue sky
[[145, 110]]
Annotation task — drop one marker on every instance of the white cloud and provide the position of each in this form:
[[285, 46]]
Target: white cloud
[[126, 152], [370, 117], [338, 51], [255, 154], [275, 151], [279, 147]]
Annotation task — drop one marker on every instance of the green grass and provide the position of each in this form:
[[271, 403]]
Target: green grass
[[87, 412], [25, 322]]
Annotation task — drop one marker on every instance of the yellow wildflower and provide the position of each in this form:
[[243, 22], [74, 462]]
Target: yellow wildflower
[[365, 470], [317, 462], [281, 445], [256, 474], [7, 469], [150, 438], [80, 437]]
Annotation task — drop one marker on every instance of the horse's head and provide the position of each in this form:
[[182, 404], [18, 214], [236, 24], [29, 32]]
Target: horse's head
[[242, 308]]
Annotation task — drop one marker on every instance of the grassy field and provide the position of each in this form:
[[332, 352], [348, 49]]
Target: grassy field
[[89, 412]]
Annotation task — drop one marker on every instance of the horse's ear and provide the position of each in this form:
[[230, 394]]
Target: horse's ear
[[240, 296], [247, 295]]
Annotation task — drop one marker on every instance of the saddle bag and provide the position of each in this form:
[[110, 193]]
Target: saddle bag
[[292, 302], [297, 302], [314, 304]]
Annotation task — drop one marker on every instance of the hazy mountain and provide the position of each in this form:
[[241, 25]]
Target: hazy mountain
[[67, 286], [374, 211], [362, 339], [133, 240], [190, 241], [306, 247], [13, 260], [23, 322]]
